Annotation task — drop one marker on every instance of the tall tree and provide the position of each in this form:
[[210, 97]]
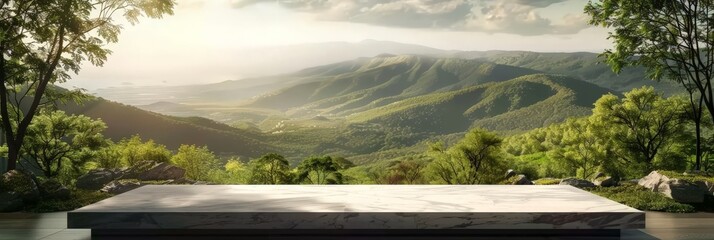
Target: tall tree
[[643, 123], [55, 140], [475, 159], [672, 39], [198, 161], [581, 149], [319, 170], [42, 42], [271, 168]]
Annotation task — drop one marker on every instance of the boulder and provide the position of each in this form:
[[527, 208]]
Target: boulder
[[510, 173], [121, 186], [21, 183], [53, 189], [605, 182], [576, 182], [10, 201], [598, 175], [96, 179], [680, 190], [162, 171], [150, 171], [522, 180]]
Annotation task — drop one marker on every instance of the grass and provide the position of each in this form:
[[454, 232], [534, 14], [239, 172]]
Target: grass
[[78, 198], [688, 177], [641, 198]]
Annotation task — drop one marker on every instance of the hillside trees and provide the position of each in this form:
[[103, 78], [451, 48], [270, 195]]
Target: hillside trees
[[477, 158], [198, 161], [407, 171], [672, 39], [319, 170], [42, 42], [57, 142], [581, 148], [623, 137], [134, 150], [270, 168], [642, 125]]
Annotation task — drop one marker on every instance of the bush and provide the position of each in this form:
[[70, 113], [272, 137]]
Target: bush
[[641, 198], [134, 150], [198, 161], [78, 198]]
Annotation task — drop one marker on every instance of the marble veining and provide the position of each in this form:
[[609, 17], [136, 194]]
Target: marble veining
[[356, 207]]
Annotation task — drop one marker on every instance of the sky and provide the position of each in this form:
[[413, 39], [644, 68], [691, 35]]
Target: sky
[[207, 41]]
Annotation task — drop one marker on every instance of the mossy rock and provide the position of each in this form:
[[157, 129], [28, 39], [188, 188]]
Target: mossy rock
[[22, 183], [547, 181]]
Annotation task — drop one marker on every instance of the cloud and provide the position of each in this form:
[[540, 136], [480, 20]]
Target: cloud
[[536, 3], [492, 16]]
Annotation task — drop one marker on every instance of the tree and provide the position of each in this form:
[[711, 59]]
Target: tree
[[405, 171], [474, 159], [42, 42], [55, 139], [271, 168], [671, 39], [582, 150], [319, 170], [198, 161], [237, 171], [134, 150], [642, 124]]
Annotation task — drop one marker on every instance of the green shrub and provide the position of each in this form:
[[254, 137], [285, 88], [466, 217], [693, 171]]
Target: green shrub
[[78, 198], [641, 198]]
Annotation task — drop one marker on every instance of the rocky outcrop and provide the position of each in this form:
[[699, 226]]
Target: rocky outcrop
[[597, 175], [162, 171], [21, 183], [510, 173], [117, 181], [121, 186], [605, 182], [151, 171], [576, 182], [681, 190], [96, 179], [522, 180], [16, 190]]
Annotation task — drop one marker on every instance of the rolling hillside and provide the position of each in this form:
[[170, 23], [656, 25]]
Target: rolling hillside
[[519, 104], [124, 121], [354, 86], [582, 65]]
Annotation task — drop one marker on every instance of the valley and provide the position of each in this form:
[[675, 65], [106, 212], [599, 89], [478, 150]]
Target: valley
[[386, 105]]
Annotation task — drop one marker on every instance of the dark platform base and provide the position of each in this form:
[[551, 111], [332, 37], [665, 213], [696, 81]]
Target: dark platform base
[[319, 233]]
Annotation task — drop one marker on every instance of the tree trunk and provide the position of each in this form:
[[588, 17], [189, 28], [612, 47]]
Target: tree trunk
[[698, 161], [12, 155]]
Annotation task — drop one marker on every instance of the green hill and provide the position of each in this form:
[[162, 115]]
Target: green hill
[[516, 105], [354, 86], [582, 65], [124, 121]]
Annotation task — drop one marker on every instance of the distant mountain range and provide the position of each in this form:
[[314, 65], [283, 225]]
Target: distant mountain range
[[312, 57], [368, 104]]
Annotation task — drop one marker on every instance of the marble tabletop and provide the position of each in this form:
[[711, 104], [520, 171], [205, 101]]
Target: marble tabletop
[[357, 198], [356, 207]]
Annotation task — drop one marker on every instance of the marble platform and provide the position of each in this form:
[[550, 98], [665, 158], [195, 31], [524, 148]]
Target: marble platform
[[335, 209]]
